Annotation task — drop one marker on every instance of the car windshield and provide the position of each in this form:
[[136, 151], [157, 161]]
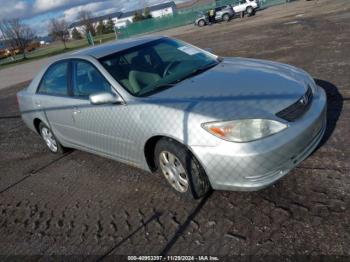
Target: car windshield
[[149, 68]]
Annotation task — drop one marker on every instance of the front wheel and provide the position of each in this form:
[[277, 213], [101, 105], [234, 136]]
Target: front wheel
[[181, 169], [226, 17], [50, 140]]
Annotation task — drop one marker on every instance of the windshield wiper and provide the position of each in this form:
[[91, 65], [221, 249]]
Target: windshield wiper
[[198, 71], [157, 88]]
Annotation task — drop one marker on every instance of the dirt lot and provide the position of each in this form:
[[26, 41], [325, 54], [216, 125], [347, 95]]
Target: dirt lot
[[84, 204]]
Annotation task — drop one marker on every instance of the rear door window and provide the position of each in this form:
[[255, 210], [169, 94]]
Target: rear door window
[[55, 80]]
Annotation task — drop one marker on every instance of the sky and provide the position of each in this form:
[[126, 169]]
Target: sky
[[37, 13]]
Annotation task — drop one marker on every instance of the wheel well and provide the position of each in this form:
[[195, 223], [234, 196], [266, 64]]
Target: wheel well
[[150, 148], [36, 123], [149, 151]]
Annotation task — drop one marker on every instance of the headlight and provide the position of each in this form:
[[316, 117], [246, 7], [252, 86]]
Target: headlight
[[244, 130]]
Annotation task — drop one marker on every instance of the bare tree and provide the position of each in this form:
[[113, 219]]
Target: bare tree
[[76, 34], [17, 35], [59, 30], [85, 18]]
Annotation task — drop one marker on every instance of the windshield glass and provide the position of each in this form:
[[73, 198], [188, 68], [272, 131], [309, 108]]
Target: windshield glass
[[151, 67]]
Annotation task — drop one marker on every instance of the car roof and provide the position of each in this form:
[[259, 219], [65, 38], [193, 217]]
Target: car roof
[[110, 48]]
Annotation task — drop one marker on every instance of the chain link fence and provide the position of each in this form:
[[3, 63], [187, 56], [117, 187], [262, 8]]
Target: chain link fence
[[180, 18]]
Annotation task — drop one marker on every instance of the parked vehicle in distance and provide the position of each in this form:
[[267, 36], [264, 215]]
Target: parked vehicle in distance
[[223, 13], [247, 6], [165, 106], [5, 53]]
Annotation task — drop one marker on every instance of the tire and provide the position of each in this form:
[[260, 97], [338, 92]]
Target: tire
[[201, 23], [187, 167], [249, 11], [226, 17], [50, 140]]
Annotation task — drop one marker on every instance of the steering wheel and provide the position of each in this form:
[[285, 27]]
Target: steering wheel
[[170, 66]]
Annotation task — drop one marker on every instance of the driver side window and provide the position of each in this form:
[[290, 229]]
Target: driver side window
[[88, 80]]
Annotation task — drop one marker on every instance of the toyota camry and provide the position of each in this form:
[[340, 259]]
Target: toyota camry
[[199, 120]]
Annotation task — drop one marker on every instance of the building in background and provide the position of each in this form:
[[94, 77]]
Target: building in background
[[95, 20], [122, 19]]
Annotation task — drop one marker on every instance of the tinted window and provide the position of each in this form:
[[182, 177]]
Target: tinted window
[[54, 81], [88, 80]]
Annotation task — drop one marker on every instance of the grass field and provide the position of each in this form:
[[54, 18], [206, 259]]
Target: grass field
[[54, 48]]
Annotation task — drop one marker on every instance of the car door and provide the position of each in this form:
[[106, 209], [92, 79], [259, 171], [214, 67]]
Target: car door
[[218, 13], [242, 4], [52, 98], [103, 128]]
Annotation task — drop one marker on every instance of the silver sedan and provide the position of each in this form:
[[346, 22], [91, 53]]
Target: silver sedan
[[168, 107]]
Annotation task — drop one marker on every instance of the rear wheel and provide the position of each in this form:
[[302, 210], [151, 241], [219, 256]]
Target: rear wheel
[[250, 11], [181, 170], [201, 23], [50, 140]]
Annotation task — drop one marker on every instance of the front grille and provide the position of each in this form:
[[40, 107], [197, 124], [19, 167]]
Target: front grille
[[298, 109]]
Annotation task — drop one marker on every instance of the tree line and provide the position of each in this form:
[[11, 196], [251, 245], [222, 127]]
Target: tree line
[[87, 24], [17, 35], [139, 15]]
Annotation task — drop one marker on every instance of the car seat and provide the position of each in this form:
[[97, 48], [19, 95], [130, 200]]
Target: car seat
[[142, 75]]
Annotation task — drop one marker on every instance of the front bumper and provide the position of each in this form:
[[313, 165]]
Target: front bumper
[[255, 165]]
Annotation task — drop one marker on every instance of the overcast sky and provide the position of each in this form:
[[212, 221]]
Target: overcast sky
[[37, 13]]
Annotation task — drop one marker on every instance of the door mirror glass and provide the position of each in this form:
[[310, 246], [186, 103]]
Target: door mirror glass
[[105, 98]]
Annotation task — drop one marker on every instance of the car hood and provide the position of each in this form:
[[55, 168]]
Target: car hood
[[249, 87]]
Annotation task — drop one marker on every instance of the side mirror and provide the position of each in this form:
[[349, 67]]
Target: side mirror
[[105, 98]]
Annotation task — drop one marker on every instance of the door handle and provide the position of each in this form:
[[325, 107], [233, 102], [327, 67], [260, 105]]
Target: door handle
[[37, 103]]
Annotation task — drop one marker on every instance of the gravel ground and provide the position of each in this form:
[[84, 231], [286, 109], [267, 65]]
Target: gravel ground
[[84, 204]]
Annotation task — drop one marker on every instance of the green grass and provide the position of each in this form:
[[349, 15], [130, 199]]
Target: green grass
[[54, 48]]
